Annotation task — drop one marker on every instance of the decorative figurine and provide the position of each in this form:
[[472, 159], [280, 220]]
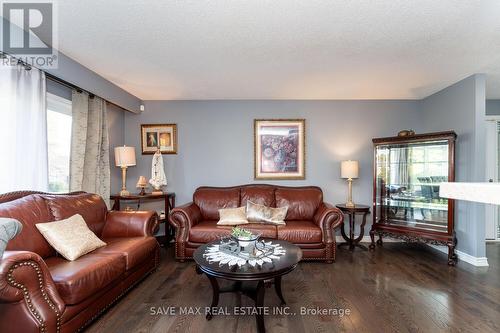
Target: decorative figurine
[[158, 178]]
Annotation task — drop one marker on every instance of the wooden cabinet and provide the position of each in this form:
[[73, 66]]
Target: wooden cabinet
[[406, 204]]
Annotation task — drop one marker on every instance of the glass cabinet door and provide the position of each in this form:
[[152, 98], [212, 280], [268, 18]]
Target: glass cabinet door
[[407, 184]]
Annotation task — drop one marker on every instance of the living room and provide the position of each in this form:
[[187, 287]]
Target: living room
[[249, 166]]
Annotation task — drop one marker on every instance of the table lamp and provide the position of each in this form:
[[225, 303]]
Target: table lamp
[[142, 183], [124, 157], [349, 170]]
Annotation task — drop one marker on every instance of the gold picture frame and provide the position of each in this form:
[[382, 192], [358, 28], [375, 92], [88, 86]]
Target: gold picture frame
[[163, 136], [279, 149]]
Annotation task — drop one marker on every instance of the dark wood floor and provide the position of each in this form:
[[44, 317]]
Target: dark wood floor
[[400, 288]]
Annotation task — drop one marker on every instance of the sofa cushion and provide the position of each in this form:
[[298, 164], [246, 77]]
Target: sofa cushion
[[300, 232], [136, 250], [211, 199], [29, 210], [90, 206], [208, 231], [259, 194], [302, 202], [79, 279]]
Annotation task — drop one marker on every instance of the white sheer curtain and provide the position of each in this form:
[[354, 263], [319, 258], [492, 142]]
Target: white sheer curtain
[[89, 161], [23, 129]]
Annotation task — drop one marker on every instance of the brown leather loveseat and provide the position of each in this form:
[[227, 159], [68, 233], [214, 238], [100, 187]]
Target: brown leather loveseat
[[42, 292], [310, 222]]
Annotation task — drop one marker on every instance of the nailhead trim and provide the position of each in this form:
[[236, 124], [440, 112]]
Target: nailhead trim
[[43, 329], [11, 281]]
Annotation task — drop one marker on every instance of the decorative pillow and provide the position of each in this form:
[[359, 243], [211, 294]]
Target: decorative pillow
[[260, 213], [71, 237], [232, 216]]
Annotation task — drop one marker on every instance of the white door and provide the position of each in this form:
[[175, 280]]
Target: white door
[[492, 169]]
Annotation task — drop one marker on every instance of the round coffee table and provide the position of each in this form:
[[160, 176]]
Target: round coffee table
[[246, 274]]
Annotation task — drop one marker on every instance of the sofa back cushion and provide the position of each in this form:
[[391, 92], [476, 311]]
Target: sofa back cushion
[[29, 210], [211, 199], [258, 194], [302, 202], [90, 206]]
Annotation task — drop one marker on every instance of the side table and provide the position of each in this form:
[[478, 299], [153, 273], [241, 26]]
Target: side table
[[169, 203], [351, 240]]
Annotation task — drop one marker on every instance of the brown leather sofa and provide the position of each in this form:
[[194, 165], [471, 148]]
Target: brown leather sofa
[[42, 292], [310, 222]]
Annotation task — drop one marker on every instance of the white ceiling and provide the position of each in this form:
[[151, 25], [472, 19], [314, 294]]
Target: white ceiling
[[284, 49]]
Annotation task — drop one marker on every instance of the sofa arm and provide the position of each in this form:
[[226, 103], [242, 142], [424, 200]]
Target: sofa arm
[[130, 224], [183, 218], [328, 218], [29, 300]]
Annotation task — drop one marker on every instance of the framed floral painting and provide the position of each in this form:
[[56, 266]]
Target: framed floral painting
[[279, 146], [163, 136]]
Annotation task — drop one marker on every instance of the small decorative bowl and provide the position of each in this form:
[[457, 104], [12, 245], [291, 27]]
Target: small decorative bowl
[[245, 242]]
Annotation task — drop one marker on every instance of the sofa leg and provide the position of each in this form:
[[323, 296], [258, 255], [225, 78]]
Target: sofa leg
[[329, 261], [180, 260]]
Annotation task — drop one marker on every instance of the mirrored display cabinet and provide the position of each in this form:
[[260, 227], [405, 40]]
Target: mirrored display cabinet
[[406, 203]]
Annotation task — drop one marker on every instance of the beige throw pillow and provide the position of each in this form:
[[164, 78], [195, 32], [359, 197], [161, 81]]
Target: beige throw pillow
[[232, 216], [261, 213], [71, 237]]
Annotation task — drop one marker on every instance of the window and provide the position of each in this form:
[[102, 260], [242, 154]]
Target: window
[[59, 142]]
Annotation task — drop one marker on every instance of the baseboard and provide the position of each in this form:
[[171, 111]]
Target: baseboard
[[465, 257]]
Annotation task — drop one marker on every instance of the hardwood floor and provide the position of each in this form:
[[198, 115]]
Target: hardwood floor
[[398, 288]]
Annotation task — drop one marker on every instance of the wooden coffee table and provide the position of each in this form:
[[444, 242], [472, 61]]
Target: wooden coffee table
[[249, 281]]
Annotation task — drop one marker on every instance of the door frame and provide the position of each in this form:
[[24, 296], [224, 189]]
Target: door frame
[[492, 174]]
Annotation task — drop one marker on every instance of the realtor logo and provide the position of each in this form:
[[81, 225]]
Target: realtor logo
[[28, 32]]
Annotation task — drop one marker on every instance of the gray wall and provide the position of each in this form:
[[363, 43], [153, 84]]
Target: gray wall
[[216, 141], [493, 107], [116, 124], [58, 89], [461, 107]]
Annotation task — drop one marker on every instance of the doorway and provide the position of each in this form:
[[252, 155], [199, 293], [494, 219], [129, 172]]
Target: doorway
[[492, 231]]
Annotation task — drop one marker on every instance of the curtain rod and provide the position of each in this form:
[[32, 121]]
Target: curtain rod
[[68, 84], [57, 79]]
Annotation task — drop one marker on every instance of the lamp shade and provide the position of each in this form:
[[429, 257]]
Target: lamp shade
[[349, 169], [142, 182], [124, 156]]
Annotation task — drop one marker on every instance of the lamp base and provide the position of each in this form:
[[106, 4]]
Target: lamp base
[[124, 193], [350, 204]]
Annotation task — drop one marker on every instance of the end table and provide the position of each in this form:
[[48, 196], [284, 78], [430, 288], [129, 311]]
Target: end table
[[351, 240], [169, 203]]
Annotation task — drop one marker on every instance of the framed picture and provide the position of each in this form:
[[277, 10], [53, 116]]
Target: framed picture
[[279, 148], [163, 136]]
